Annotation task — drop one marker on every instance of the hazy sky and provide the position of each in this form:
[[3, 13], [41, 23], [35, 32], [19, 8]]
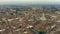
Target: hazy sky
[[30, 1]]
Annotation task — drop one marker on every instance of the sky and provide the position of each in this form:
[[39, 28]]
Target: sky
[[29, 1]]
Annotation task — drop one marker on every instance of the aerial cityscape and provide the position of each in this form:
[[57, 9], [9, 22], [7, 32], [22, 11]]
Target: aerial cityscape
[[29, 18]]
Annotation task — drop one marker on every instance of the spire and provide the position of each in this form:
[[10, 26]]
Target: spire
[[42, 17]]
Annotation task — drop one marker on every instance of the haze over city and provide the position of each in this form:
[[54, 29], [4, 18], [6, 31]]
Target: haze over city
[[29, 16], [29, 1]]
